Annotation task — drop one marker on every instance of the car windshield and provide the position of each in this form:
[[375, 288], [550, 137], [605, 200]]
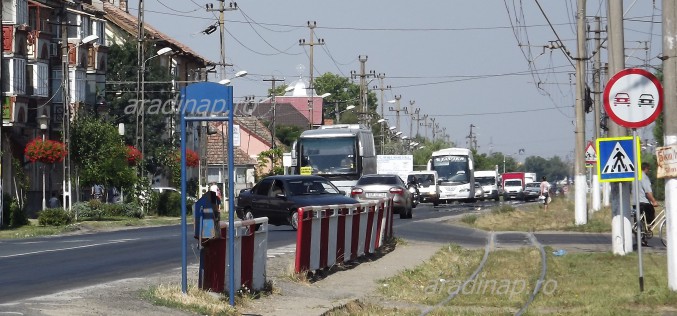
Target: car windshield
[[377, 180], [513, 183], [311, 186], [485, 180], [533, 185]]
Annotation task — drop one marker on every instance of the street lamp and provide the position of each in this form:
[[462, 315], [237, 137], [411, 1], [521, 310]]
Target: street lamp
[[43, 120], [338, 113], [140, 110], [238, 74], [66, 119]]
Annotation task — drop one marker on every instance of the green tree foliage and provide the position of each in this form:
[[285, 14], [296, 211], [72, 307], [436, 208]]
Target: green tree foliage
[[122, 68], [99, 155], [343, 93], [287, 134], [271, 157]]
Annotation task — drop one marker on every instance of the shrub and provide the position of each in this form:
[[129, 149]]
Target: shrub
[[169, 204], [469, 219], [17, 216], [54, 217], [122, 209]]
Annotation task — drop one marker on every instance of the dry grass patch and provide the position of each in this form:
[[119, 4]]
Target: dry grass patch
[[360, 308], [421, 284], [532, 217], [195, 300]]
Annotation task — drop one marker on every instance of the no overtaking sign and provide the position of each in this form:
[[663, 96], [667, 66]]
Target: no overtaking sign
[[633, 98]]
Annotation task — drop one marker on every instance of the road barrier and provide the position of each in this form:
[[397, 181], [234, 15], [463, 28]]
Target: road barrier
[[251, 247], [339, 233]]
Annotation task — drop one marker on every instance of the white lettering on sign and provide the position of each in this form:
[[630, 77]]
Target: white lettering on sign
[[451, 158], [667, 162]]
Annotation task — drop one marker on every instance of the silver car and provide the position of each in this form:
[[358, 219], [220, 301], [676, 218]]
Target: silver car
[[379, 186]]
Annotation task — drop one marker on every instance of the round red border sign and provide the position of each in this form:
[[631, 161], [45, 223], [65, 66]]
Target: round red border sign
[[633, 98]]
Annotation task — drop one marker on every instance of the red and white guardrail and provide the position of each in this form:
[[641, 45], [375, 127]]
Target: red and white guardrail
[[251, 247], [339, 233]]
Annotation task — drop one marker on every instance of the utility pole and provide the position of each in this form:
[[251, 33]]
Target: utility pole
[[397, 110], [364, 104], [621, 224], [66, 120], [311, 87], [670, 130], [434, 126], [597, 104], [425, 124], [472, 139], [222, 8], [382, 87], [414, 112], [581, 214], [418, 122], [140, 115], [272, 92]]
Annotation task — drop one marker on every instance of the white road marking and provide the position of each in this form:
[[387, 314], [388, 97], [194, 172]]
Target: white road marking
[[68, 248]]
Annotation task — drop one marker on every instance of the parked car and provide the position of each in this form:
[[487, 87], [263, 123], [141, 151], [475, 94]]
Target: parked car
[[532, 191], [279, 197], [378, 186], [171, 189]]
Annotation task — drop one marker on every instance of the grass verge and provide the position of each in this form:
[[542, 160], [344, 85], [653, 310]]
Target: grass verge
[[360, 308], [532, 217], [575, 284], [35, 230]]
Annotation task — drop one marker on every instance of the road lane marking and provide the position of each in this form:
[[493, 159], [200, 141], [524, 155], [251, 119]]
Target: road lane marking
[[68, 248]]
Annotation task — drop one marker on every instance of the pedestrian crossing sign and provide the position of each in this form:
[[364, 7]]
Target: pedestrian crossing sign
[[616, 161]]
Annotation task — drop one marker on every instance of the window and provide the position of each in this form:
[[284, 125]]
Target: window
[[57, 85], [263, 187], [15, 69], [40, 79]]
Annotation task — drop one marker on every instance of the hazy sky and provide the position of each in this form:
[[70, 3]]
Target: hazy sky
[[462, 62]]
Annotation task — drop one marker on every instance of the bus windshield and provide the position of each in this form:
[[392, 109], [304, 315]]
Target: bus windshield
[[335, 155], [452, 168]]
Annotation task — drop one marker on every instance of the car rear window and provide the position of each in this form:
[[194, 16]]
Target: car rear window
[[377, 180]]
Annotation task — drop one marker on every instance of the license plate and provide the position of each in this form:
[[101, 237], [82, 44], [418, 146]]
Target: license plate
[[376, 195]]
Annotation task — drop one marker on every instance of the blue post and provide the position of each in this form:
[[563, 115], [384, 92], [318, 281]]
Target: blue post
[[184, 226]]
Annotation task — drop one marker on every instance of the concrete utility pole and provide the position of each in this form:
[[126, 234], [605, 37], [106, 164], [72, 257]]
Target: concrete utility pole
[[472, 139], [222, 8], [272, 92], [418, 123], [412, 118], [311, 87], [67, 111], [597, 103], [621, 229], [140, 115], [364, 104], [432, 124], [670, 129], [382, 87], [397, 110], [425, 124], [581, 214]]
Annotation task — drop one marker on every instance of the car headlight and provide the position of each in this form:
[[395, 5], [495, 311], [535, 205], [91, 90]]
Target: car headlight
[[463, 190]]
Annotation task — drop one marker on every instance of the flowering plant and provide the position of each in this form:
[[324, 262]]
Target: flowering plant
[[45, 151], [133, 155], [192, 159]]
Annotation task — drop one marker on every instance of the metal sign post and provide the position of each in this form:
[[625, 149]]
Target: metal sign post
[[633, 98], [208, 101]]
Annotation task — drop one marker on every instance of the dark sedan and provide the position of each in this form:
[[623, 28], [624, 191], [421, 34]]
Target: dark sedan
[[532, 191], [278, 198]]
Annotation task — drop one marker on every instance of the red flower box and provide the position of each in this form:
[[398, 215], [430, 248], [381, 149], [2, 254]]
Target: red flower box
[[192, 158], [45, 151], [133, 155]]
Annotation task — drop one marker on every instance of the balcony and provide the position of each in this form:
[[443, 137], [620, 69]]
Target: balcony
[[15, 70], [15, 12]]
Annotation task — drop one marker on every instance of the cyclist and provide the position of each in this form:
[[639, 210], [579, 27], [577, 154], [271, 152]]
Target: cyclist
[[647, 202]]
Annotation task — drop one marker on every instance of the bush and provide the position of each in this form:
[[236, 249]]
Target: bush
[[54, 217], [88, 210], [169, 204], [17, 216], [122, 209]]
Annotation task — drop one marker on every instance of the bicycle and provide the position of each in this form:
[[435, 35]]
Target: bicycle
[[648, 228]]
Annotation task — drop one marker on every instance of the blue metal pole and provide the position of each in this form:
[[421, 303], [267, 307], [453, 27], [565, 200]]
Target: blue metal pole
[[184, 226]]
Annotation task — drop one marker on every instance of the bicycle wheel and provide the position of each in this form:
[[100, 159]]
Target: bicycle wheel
[[664, 233]]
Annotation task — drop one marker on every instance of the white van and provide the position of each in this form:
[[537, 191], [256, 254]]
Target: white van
[[427, 185]]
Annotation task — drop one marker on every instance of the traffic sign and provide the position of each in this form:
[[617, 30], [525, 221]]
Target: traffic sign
[[590, 154], [633, 98], [617, 162]]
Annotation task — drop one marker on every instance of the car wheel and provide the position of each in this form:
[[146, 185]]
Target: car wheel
[[436, 202], [403, 213], [294, 220], [248, 215]]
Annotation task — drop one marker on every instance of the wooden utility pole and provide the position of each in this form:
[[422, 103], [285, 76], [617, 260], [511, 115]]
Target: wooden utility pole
[[311, 87], [670, 130]]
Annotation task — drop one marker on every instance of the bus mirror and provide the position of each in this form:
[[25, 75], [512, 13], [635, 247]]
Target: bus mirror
[[293, 150]]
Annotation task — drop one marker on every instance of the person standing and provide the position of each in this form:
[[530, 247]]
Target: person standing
[[545, 192], [647, 202], [97, 191], [54, 201]]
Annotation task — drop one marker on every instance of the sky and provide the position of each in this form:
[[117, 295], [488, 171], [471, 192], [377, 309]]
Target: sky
[[480, 63]]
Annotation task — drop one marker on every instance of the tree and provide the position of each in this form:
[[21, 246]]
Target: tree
[[287, 134], [99, 154], [344, 93]]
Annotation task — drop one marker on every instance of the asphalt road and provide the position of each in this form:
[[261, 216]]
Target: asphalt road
[[40, 266]]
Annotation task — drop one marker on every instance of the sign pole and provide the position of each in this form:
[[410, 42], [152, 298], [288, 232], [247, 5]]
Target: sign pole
[[637, 209]]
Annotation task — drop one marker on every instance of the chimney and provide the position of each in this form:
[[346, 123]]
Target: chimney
[[123, 6]]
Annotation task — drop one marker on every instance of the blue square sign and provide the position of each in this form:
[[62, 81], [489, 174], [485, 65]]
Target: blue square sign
[[615, 159]]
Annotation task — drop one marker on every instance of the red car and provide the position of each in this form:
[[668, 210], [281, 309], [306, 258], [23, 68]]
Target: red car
[[622, 99]]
